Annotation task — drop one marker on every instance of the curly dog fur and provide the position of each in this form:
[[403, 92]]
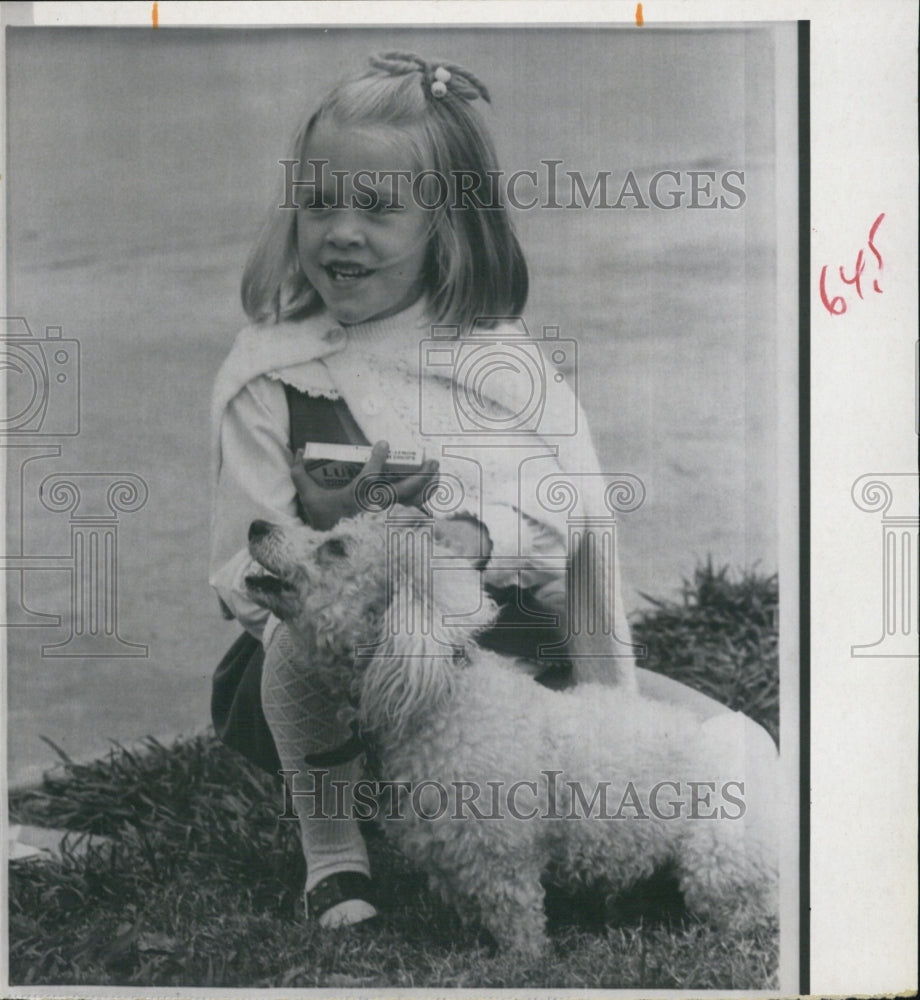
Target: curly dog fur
[[441, 709]]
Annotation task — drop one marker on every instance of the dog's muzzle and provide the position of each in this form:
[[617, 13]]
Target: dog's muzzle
[[259, 529], [268, 582]]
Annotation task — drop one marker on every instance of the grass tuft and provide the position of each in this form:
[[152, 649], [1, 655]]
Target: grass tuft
[[201, 885]]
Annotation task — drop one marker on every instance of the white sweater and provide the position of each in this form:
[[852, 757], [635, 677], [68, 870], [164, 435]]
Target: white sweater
[[398, 390]]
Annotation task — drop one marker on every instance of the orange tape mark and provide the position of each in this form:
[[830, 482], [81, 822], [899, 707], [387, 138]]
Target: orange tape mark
[[155, 15], [640, 20]]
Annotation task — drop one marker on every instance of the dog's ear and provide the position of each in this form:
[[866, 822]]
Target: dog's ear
[[463, 535], [436, 607], [410, 674], [412, 666], [331, 550]]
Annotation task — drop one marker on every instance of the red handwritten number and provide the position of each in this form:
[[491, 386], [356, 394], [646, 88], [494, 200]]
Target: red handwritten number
[[875, 252], [835, 306], [857, 273]]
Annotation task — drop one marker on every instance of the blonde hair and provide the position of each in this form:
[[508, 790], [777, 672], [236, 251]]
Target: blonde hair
[[475, 266]]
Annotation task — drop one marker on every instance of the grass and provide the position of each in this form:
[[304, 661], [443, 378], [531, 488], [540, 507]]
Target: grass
[[201, 885]]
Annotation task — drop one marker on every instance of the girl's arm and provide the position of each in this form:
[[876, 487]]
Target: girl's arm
[[254, 482]]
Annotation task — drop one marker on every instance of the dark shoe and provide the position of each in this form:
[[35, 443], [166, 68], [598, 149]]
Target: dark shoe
[[341, 900]]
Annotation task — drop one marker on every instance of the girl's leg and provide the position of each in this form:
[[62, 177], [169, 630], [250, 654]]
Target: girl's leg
[[304, 724], [753, 744], [659, 687]]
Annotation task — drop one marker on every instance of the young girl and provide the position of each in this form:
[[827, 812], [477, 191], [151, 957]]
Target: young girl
[[344, 291]]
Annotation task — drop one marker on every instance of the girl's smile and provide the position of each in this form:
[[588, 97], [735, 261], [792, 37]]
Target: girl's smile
[[364, 262]]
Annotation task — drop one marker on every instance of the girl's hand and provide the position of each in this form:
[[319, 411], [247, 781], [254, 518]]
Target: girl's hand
[[324, 508]]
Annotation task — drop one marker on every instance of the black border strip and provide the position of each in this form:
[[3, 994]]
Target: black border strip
[[804, 136]]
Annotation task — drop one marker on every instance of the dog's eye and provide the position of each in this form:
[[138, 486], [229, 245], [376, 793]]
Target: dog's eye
[[332, 547]]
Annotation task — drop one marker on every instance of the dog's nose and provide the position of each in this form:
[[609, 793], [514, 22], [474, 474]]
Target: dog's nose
[[259, 529]]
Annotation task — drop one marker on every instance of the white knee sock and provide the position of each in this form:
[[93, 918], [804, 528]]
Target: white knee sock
[[304, 723]]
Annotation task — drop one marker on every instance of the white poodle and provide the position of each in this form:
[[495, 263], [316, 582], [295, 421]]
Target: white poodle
[[503, 782]]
